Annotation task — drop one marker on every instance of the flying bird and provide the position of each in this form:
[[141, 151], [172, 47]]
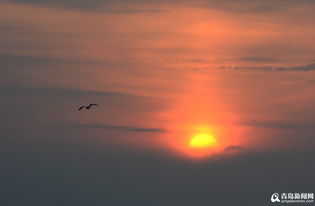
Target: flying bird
[[87, 107]]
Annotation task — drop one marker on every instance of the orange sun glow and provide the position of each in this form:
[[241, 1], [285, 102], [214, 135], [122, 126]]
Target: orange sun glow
[[201, 129]]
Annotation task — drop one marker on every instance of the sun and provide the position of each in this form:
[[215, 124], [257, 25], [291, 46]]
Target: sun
[[202, 141]]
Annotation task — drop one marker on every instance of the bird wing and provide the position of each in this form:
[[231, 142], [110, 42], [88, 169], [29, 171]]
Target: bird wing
[[81, 107]]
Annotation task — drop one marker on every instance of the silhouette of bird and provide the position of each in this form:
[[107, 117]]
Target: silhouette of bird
[[87, 107]]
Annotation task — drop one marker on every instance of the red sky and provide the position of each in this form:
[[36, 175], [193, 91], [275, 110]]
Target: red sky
[[246, 75]]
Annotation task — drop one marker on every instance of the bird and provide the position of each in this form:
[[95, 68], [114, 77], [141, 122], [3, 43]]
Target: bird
[[87, 107]]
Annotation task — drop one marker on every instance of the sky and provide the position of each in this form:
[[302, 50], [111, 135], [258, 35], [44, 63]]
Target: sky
[[162, 72]]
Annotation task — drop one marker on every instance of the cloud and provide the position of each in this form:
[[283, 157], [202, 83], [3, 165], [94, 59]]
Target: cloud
[[310, 81], [136, 6], [258, 59], [79, 4], [30, 61], [104, 6], [58, 172], [125, 10], [60, 92], [256, 6], [124, 128], [303, 68], [15, 60], [304, 126], [232, 148]]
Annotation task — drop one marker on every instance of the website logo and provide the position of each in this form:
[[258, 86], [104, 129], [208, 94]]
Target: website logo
[[292, 197]]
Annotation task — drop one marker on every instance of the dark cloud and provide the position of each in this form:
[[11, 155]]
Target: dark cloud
[[196, 60], [12, 60], [304, 126], [79, 4], [51, 171], [60, 92], [234, 148], [29, 61], [124, 128], [125, 10], [304, 68], [310, 81], [259, 59], [133, 7], [106, 6], [256, 6], [26, 39], [19, 68]]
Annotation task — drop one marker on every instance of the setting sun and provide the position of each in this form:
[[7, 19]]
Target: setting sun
[[202, 141]]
